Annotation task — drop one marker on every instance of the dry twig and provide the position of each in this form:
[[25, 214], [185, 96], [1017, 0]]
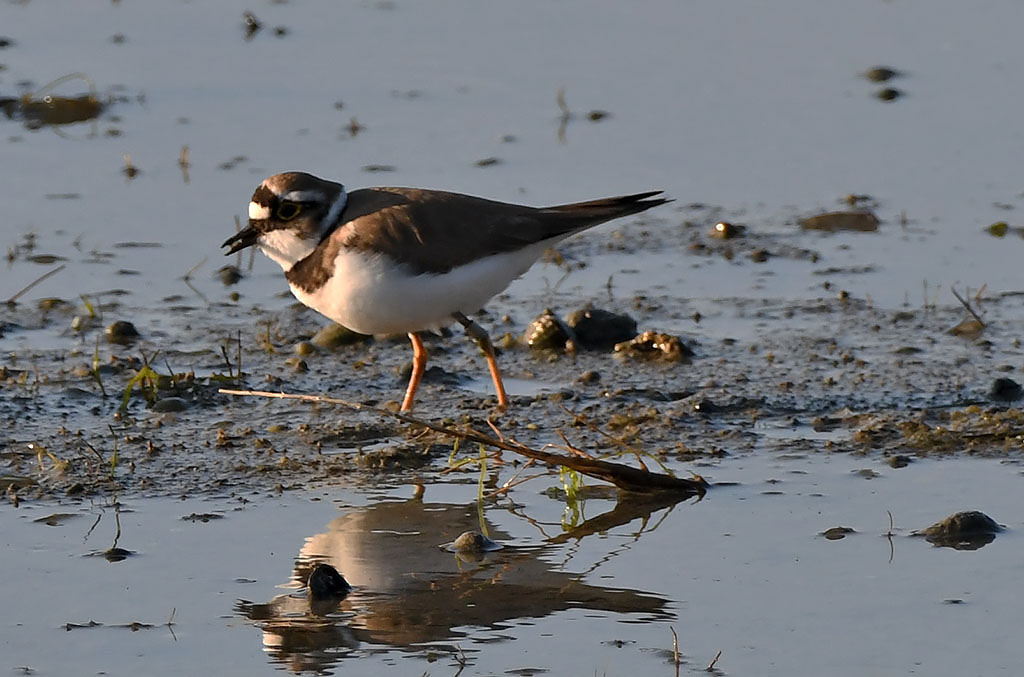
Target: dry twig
[[966, 304], [13, 300], [622, 476]]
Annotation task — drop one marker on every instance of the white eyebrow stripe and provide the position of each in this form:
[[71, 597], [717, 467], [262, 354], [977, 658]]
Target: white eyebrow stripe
[[303, 196], [335, 211], [258, 212]]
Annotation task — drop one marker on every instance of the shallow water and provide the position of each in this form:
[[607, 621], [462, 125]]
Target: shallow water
[[744, 571], [807, 343], [759, 109]]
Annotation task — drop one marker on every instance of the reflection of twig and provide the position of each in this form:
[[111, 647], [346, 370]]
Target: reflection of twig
[[11, 301], [622, 476], [514, 480], [888, 536], [563, 120], [187, 277], [967, 305], [183, 162], [461, 659], [117, 523]]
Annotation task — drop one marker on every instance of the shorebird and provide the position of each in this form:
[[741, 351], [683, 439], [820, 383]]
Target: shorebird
[[405, 260]]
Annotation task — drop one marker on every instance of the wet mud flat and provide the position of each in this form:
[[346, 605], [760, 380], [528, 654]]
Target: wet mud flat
[[91, 411]]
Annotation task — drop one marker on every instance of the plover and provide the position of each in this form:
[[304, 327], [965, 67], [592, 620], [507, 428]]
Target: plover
[[406, 260]]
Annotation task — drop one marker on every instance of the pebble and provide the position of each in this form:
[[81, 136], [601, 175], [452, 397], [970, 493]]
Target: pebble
[[121, 332]]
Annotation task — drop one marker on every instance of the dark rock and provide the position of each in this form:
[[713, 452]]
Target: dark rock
[[601, 329], [325, 583], [1005, 390], [968, 530], [881, 74], [121, 332], [837, 533]]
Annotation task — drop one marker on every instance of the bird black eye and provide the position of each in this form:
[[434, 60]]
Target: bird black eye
[[286, 211]]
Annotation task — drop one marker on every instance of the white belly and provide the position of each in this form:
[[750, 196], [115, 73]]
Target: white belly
[[372, 295]]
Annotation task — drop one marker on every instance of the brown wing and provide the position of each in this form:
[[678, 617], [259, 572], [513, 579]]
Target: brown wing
[[435, 231]]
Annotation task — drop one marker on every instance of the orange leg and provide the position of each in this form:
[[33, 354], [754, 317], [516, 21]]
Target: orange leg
[[476, 332], [419, 365]]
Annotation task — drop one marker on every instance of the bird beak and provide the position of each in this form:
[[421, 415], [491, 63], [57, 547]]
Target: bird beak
[[244, 238]]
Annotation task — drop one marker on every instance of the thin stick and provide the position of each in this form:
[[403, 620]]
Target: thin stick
[[622, 476], [711, 665], [967, 305], [11, 301], [675, 646]]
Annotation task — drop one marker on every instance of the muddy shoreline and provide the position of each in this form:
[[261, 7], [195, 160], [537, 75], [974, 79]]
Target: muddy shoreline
[[833, 375]]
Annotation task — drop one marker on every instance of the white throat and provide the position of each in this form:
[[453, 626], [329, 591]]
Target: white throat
[[286, 247]]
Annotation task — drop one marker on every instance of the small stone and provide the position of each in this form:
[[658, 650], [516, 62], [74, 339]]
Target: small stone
[[472, 542], [80, 322], [121, 332], [888, 94], [998, 229], [836, 533], [968, 530], [1005, 390], [326, 583], [724, 230], [252, 24], [600, 329], [229, 275], [170, 404], [881, 74]]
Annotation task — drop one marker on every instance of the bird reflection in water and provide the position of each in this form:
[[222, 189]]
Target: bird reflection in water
[[415, 585]]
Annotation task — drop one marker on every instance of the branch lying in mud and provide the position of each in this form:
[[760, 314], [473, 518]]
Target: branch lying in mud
[[624, 477]]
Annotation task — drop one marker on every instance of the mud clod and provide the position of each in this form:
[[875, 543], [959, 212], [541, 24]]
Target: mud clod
[[549, 332], [655, 345]]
